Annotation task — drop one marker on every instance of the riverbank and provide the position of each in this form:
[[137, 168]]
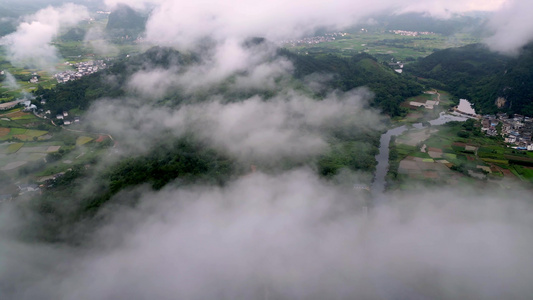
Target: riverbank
[[382, 158]]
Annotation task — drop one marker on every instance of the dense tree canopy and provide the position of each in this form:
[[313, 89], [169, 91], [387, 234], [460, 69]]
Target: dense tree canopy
[[390, 88], [482, 76]]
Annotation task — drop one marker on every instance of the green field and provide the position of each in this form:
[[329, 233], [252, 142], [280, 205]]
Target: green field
[[489, 152], [14, 148], [82, 140], [385, 45]]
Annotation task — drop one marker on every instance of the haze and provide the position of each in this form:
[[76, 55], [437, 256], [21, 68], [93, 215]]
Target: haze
[[280, 232]]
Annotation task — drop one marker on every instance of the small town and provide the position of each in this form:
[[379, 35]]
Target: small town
[[328, 37], [83, 69], [516, 130], [411, 33]]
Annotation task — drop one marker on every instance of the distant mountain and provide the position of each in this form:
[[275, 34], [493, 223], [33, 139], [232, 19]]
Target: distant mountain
[[422, 22], [7, 20], [125, 21], [471, 23], [74, 34], [493, 82]]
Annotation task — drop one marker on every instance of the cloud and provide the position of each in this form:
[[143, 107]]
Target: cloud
[[153, 83], [184, 24], [96, 39], [287, 236], [10, 82], [31, 43], [512, 27], [289, 125], [253, 67]]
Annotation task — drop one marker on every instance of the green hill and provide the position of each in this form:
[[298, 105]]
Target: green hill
[[79, 94], [124, 21], [390, 88], [493, 82]]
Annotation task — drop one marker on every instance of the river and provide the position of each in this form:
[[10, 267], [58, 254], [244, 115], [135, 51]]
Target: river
[[378, 185]]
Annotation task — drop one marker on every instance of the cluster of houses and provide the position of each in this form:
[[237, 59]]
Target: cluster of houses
[[83, 69], [328, 37], [396, 66], [34, 78], [517, 130], [67, 121], [411, 33]]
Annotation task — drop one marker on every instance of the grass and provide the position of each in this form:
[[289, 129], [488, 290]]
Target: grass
[[496, 161], [24, 117], [82, 140], [17, 131], [385, 44], [525, 173], [13, 148], [22, 134], [450, 156], [35, 133]]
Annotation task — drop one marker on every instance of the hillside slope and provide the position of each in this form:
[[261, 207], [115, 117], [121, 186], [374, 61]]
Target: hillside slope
[[390, 88], [493, 82]]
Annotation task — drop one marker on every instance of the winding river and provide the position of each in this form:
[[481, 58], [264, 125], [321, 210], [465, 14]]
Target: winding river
[[378, 185]]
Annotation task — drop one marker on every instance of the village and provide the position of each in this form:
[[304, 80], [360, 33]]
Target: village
[[328, 37], [411, 33], [516, 130], [83, 69]]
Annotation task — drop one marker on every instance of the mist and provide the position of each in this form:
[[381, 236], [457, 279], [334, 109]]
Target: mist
[[284, 237], [281, 234], [31, 44], [512, 27], [10, 82]]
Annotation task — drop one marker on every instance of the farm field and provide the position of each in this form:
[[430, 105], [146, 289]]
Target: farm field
[[31, 148], [385, 45], [438, 155], [420, 114]]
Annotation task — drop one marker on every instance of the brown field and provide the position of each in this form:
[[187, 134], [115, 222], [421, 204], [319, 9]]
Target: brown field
[[4, 131], [16, 114], [434, 149], [101, 138], [415, 167]]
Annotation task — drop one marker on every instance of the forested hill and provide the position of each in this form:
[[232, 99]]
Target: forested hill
[[391, 89], [125, 21], [81, 93], [493, 82]]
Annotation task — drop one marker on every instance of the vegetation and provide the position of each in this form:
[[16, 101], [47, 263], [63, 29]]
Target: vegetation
[[390, 88], [124, 22], [79, 94], [482, 76], [183, 161], [466, 151]]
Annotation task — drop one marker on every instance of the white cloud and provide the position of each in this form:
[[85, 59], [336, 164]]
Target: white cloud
[[286, 236], [31, 43], [290, 125], [512, 27], [96, 39], [183, 24]]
